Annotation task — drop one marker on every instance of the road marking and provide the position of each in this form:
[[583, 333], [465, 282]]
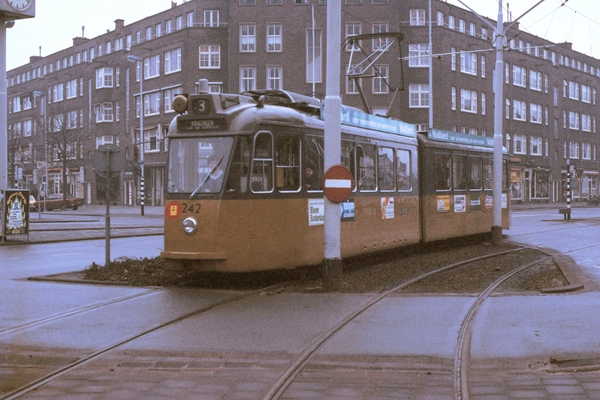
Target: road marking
[[64, 254]]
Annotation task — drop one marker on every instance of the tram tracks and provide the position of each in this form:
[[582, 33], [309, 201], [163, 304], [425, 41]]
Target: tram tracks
[[37, 383], [304, 358], [461, 391]]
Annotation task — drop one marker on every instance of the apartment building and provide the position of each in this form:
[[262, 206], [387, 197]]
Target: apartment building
[[64, 105]]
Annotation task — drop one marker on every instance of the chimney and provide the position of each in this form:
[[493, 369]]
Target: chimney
[[119, 24]]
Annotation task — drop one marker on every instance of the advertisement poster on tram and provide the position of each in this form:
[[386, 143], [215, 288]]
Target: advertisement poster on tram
[[475, 202], [460, 203], [15, 212], [387, 208], [443, 204]]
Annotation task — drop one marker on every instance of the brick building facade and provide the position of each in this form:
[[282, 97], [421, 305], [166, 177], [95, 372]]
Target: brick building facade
[[64, 105]]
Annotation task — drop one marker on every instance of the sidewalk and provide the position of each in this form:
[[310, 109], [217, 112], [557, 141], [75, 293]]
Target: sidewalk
[[89, 222]]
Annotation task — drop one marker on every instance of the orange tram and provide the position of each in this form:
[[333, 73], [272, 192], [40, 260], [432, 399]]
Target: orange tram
[[245, 173]]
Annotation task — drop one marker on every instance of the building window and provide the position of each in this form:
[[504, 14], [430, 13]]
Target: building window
[[519, 76], [418, 96], [102, 140], [468, 63], [520, 143], [573, 90], [275, 78], [172, 61], [72, 119], [535, 146], [451, 22], [483, 104], [381, 43], [453, 100], [519, 110], [586, 122], [169, 95], [314, 56], [586, 95], [535, 80], [211, 18], [247, 38], [152, 103], [210, 56], [417, 17], [104, 78], [573, 120], [535, 113], [574, 150], [586, 151], [453, 58], [104, 112], [274, 37], [468, 101], [418, 55], [351, 83], [152, 67], [380, 79], [57, 93], [440, 18], [247, 78], [152, 140], [190, 19], [352, 29]]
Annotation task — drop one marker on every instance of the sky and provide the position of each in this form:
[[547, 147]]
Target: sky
[[57, 22]]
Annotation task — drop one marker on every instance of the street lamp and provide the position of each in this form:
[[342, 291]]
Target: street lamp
[[136, 59], [42, 96]]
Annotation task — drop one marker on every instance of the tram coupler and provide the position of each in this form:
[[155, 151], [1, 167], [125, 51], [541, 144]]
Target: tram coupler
[[332, 274]]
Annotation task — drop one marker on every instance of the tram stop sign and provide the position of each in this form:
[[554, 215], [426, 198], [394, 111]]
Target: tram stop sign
[[338, 183], [108, 159]]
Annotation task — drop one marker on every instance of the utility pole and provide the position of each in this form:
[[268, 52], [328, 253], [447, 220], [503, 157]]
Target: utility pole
[[333, 137], [498, 85]]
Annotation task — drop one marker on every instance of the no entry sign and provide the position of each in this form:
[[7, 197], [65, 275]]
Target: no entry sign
[[338, 183]]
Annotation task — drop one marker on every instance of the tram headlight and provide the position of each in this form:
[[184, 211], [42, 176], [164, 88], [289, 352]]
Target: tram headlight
[[190, 225]]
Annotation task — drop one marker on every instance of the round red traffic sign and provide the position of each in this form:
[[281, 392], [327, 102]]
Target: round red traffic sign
[[338, 183]]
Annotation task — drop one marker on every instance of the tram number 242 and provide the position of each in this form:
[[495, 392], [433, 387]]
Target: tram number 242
[[190, 208]]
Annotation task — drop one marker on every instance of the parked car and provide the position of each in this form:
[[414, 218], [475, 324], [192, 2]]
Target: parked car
[[55, 201]]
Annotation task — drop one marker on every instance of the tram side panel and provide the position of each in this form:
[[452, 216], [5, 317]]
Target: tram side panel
[[449, 207]]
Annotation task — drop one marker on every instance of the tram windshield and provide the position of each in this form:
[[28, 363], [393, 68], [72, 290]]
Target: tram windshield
[[197, 165]]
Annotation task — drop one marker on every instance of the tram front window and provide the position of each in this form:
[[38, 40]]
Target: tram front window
[[198, 165]]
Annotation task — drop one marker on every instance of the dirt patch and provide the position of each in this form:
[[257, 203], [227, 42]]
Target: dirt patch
[[376, 273]]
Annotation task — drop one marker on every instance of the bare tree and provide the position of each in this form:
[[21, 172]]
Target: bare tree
[[63, 144]]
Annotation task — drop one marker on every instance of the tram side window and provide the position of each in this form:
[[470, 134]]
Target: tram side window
[[237, 181], [475, 179], [348, 160], [366, 162], [460, 174], [442, 171], [313, 164], [403, 172], [287, 150], [488, 182], [385, 163], [261, 180]]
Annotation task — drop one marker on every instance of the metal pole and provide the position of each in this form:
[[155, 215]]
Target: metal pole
[[499, 102], [142, 189], [107, 217], [333, 261], [430, 71], [3, 109]]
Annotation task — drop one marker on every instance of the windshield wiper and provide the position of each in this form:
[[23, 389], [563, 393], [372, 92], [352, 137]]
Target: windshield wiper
[[206, 177]]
